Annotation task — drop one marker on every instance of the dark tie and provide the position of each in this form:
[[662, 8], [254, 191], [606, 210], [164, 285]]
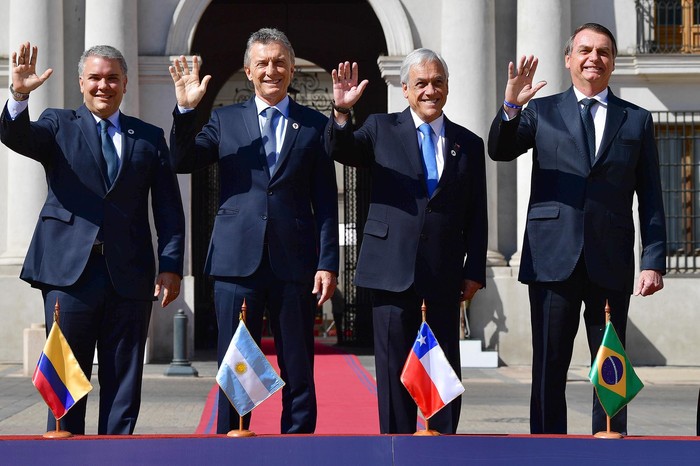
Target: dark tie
[[589, 127], [429, 162], [269, 137], [109, 152]]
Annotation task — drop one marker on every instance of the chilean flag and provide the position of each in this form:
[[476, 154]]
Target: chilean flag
[[428, 376]]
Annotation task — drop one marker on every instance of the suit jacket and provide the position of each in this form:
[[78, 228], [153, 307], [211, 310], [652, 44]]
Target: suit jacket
[[295, 211], [577, 209], [79, 203], [410, 239]]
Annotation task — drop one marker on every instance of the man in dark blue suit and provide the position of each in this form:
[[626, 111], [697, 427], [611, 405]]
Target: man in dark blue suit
[[275, 237], [425, 215], [92, 248], [579, 237]]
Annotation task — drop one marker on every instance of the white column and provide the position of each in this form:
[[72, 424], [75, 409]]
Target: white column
[[390, 68], [121, 32], [26, 183], [547, 44], [469, 48]]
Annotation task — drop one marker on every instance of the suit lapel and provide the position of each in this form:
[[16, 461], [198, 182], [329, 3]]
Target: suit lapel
[[252, 128], [290, 136], [88, 126], [569, 110], [614, 119], [450, 152], [409, 141], [129, 134]]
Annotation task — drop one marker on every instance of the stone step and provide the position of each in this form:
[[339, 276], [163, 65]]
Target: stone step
[[471, 355]]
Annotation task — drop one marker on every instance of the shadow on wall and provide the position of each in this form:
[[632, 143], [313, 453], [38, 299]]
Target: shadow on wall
[[640, 349], [489, 320]]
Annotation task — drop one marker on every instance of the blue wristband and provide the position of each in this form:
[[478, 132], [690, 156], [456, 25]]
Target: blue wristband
[[509, 105]]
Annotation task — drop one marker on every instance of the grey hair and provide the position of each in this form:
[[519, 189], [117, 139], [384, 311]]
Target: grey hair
[[104, 51], [595, 27], [265, 36], [419, 56]]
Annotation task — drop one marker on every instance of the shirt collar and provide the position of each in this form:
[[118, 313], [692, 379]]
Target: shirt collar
[[601, 97], [113, 118], [436, 124], [282, 106]]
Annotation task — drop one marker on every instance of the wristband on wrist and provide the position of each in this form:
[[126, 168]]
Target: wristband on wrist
[[18, 96], [509, 105], [343, 110]]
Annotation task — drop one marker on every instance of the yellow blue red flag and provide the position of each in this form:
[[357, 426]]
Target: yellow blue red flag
[[58, 376], [612, 374]]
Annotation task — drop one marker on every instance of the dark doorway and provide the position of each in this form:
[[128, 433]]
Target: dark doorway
[[324, 33]]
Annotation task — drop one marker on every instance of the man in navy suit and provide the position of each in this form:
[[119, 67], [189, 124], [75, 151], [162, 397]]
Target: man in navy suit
[[92, 248], [579, 238], [275, 237], [422, 221]]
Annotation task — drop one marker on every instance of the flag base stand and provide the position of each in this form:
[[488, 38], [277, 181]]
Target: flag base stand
[[240, 433], [57, 434], [608, 434], [426, 433]]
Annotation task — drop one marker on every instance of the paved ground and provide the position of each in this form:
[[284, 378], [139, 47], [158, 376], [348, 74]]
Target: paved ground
[[496, 401]]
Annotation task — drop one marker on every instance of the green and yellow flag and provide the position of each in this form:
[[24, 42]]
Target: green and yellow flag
[[612, 374]]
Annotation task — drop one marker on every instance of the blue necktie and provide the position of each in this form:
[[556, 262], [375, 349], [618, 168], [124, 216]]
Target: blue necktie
[[109, 152], [270, 138], [429, 162], [589, 127]]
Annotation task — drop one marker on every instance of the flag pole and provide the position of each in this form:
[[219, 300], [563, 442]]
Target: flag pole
[[241, 432], [58, 433], [608, 434], [427, 431]]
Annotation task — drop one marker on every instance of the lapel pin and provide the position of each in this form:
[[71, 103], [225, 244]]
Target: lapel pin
[[295, 125], [454, 150], [130, 131]]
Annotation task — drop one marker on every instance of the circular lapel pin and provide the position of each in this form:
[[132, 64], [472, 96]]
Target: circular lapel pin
[[295, 125], [130, 131]]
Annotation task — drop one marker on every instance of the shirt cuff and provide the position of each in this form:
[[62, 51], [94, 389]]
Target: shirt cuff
[[15, 107]]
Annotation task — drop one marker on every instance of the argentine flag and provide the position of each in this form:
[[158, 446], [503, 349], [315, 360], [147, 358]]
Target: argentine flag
[[245, 375]]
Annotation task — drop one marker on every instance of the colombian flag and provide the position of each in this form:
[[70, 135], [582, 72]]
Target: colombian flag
[[428, 376], [58, 376], [612, 374]]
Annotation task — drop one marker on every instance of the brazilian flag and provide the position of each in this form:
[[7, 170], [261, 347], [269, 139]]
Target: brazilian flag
[[612, 374]]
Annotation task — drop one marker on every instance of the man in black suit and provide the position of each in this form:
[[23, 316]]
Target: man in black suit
[[425, 215], [579, 238], [275, 238], [92, 248]]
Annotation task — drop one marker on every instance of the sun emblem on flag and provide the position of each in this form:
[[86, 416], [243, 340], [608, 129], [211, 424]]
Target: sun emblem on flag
[[241, 367]]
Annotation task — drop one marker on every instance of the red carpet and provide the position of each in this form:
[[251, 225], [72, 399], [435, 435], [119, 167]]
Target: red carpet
[[346, 395]]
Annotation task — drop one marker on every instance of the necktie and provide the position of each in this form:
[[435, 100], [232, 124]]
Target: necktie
[[589, 127], [109, 152], [269, 137], [429, 162]]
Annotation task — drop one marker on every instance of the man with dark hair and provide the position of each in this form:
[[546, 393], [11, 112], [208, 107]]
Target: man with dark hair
[[592, 152], [92, 250], [275, 237]]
